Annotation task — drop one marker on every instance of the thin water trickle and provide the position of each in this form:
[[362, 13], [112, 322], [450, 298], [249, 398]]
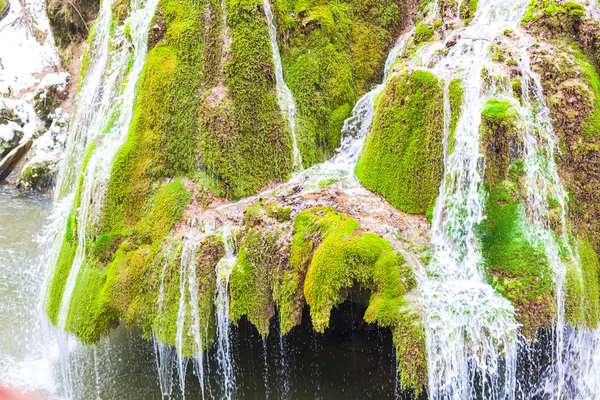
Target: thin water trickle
[[195, 319], [182, 361], [284, 94], [224, 355]]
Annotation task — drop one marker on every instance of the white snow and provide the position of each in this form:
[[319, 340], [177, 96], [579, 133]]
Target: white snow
[[22, 57]]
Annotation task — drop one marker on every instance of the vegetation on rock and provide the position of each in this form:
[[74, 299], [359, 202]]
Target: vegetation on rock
[[403, 156], [515, 264], [332, 53]]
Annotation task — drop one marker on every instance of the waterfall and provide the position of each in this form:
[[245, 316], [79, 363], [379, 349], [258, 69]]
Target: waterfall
[[471, 332], [284, 95], [224, 356], [106, 94]]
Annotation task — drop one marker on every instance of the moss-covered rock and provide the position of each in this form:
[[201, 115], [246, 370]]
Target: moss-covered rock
[[515, 264], [332, 53], [554, 15], [245, 143], [163, 135], [340, 257], [501, 139], [403, 156], [572, 88], [39, 176]]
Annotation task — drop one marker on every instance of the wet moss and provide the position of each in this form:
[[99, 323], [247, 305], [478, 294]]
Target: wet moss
[[468, 9], [110, 282], [582, 289], [253, 279], [515, 263], [166, 209], [554, 15], [332, 53], [61, 273], [516, 267], [257, 149], [403, 156], [163, 132], [456, 95], [500, 138], [423, 33]]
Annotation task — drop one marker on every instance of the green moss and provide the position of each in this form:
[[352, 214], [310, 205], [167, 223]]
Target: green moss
[[343, 258], [257, 148], [455, 96], [500, 138], [253, 215], [515, 264], [517, 268], [591, 126], [332, 53], [254, 278], [403, 155], [280, 214], [468, 10], [553, 15], [164, 130], [328, 182], [166, 209], [60, 275], [517, 87], [582, 293], [423, 33]]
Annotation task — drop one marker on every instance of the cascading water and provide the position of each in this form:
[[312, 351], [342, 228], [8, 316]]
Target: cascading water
[[181, 318], [107, 94], [224, 356], [284, 94], [471, 332], [575, 351]]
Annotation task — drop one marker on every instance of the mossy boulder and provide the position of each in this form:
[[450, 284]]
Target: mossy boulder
[[38, 176], [341, 258], [403, 155]]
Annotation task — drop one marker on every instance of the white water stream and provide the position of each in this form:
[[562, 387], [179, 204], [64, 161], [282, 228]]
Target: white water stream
[[107, 94], [284, 94], [224, 356]]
